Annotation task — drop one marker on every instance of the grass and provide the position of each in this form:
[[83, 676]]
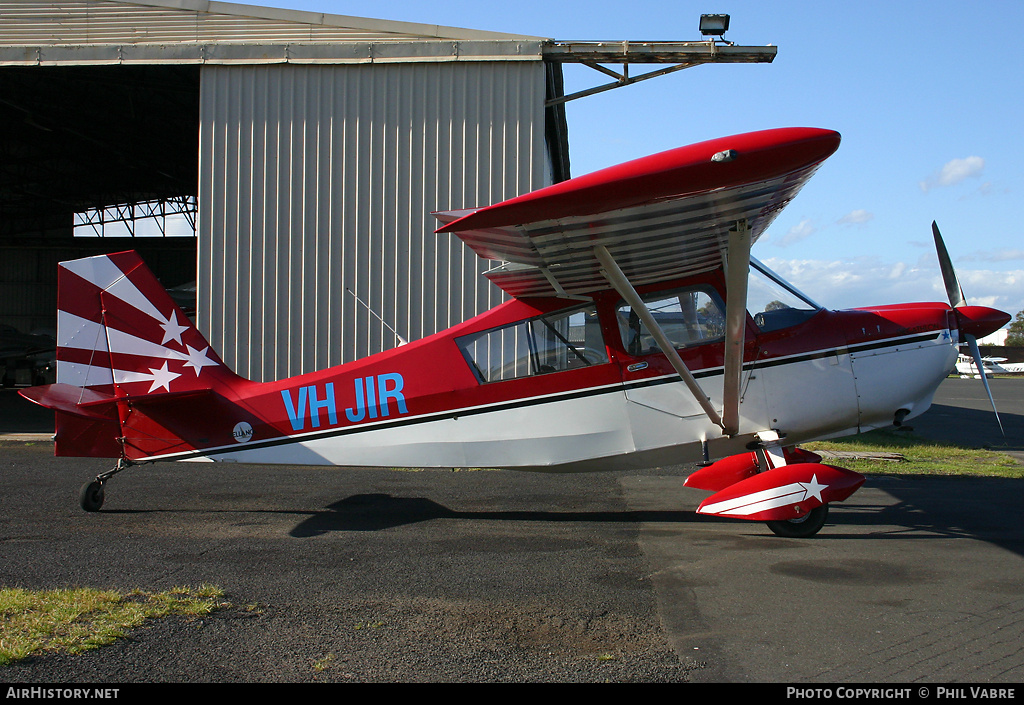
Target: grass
[[78, 619], [920, 456], [324, 663]]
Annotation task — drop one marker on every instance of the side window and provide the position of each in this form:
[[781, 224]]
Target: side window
[[560, 341], [688, 316]]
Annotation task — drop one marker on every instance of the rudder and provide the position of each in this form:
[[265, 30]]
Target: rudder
[[119, 332], [121, 337]]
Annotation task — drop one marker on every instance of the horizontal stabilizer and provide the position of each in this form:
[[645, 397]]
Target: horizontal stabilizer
[[91, 404], [785, 493], [70, 399]]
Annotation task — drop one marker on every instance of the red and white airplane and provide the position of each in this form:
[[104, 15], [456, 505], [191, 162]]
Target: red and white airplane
[[639, 332]]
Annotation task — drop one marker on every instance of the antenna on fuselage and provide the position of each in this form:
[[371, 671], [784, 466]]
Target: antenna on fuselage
[[401, 341]]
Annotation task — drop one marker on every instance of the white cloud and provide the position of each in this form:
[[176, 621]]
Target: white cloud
[[856, 217], [1003, 254], [1000, 289], [870, 281], [801, 231], [897, 271], [953, 172]]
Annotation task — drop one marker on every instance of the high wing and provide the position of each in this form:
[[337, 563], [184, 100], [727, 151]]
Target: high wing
[[661, 217], [667, 216]]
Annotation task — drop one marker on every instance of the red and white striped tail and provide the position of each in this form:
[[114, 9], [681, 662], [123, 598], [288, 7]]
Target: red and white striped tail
[[127, 358], [120, 333]]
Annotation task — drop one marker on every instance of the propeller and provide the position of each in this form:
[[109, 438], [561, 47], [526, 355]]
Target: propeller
[[956, 299]]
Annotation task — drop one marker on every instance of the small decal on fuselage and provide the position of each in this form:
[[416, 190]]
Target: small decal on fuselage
[[242, 432], [372, 396]]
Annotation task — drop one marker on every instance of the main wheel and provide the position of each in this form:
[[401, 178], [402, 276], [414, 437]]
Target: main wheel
[[802, 527], [91, 496]]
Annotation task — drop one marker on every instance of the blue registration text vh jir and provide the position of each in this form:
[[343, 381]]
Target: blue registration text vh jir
[[372, 400]]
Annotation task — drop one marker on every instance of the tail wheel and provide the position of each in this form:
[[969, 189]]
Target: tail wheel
[[801, 527], [91, 496]]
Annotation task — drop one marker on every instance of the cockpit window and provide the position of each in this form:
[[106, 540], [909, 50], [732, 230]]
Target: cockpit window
[[564, 340], [773, 302], [692, 316]]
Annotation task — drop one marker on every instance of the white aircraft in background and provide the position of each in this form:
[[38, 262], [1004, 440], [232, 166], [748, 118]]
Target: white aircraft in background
[[966, 367]]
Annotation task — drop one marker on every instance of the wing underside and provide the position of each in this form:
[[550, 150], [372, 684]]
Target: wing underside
[[674, 229], [651, 243]]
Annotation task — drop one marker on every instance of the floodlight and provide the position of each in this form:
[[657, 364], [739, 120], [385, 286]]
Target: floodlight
[[714, 25]]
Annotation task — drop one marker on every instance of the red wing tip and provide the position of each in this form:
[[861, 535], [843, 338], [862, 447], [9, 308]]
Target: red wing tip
[[632, 182]]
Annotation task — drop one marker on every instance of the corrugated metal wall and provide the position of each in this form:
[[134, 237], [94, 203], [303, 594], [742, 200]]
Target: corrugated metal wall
[[317, 181]]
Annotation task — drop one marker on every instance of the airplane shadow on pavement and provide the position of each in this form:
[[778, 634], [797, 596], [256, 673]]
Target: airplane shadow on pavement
[[974, 428], [376, 512], [987, 509]]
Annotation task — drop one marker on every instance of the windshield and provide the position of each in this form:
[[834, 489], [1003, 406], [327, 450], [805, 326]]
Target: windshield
[[773, 302]]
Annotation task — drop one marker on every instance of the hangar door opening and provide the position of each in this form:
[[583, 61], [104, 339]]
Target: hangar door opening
[[80, 145]]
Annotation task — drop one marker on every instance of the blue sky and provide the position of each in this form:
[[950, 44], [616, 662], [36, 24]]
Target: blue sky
[[929, 98]]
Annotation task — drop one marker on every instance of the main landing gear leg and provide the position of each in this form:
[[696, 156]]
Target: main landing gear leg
[[91, 496], [772, 456]]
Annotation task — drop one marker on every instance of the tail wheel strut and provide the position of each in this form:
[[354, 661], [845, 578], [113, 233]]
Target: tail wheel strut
[[91, 496]]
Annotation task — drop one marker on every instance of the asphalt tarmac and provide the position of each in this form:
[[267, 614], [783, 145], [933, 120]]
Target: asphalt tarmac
[[386, 575]]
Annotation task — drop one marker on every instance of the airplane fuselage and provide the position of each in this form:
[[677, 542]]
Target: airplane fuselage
[[430, 403]]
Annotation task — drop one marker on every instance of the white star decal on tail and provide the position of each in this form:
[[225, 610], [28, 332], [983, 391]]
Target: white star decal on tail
[[198, 359], [162, 378], [172, 329]]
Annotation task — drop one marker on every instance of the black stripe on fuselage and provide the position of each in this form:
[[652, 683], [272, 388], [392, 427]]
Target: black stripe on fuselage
[[535, 401]]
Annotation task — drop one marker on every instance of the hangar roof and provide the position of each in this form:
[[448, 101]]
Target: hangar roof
[[97, 96], [41, 32]]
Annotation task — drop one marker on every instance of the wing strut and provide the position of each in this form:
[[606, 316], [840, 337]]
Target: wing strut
[[611, 271], [737, 271]]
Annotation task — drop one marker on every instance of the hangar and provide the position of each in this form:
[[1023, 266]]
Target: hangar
[[304, 152]]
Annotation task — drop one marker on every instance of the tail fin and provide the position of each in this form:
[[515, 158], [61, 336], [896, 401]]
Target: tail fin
[[120, 337], [119, 332]]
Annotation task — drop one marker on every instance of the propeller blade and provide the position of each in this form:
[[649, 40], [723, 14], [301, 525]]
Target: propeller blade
[[953, 290], [956, 300], [976, 352]]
